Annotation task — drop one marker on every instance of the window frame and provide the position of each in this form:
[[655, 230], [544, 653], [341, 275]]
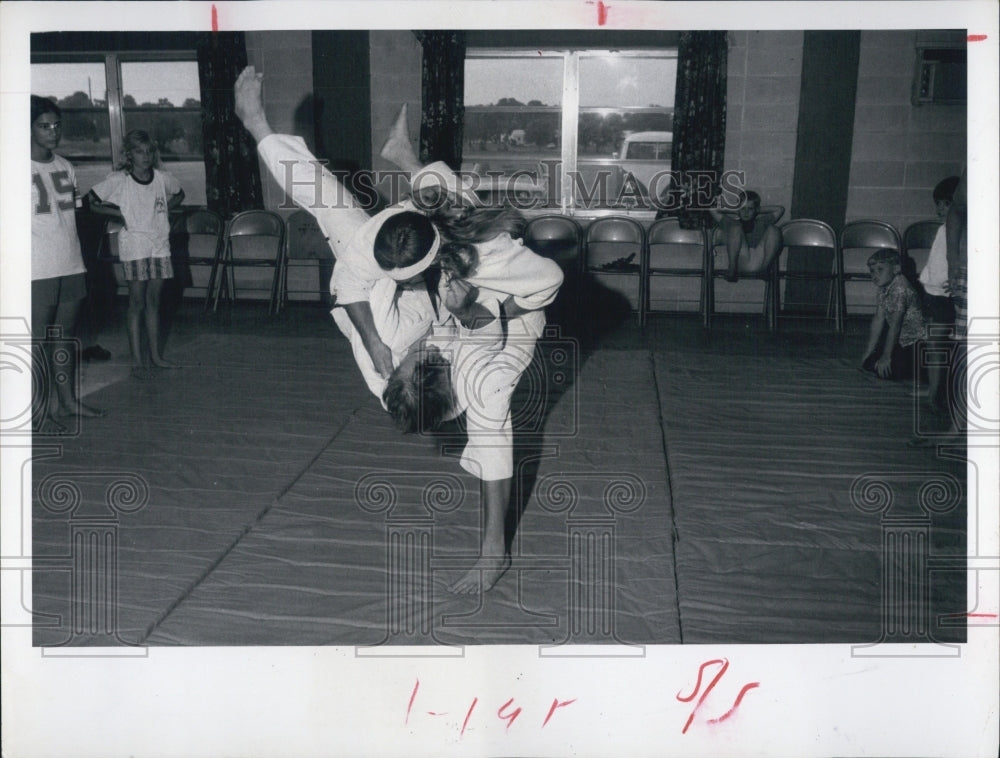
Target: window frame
[[570, 105], [112, 60]]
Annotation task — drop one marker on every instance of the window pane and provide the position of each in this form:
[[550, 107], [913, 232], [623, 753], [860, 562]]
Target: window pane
[[80, 91], [513, 117], [626, 118], [163, 98]]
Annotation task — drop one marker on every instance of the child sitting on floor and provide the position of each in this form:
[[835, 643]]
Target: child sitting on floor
[[898, 322]]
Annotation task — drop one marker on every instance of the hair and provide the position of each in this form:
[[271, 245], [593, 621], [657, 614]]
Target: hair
[[403, 239], [945, 189], [134, 139], [458, 259], [478, 225], [419, 402], [42, 105], [749, 196], [884, 255]]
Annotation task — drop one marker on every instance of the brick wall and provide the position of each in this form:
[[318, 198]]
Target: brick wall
[[900, 150], [285, 57], [395, 70]]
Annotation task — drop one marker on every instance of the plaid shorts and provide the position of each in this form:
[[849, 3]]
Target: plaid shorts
[[145, 269]]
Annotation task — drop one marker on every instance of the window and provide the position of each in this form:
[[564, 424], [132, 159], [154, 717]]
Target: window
[[103, 96], [556, 122]]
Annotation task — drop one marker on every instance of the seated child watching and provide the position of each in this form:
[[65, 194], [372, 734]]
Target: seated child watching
[[898, 322], [751, 235]]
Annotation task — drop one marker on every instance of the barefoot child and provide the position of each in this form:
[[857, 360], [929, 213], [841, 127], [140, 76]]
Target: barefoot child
[[141, 196], [752, 237], [898, 322], [58, 285]]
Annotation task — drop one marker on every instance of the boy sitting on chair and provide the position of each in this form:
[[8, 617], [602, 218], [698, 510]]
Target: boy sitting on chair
[[751, 235]]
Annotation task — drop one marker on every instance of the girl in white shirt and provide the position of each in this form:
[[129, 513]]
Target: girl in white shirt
[[141, 197]]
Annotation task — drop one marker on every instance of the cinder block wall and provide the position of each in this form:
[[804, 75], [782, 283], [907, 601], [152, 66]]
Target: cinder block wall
[[900, 150], [396, 60], [285, 57], [762, 110]]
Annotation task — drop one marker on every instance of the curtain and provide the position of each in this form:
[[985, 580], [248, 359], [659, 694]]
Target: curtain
[[700, 120], [443, 86], [232, 174]]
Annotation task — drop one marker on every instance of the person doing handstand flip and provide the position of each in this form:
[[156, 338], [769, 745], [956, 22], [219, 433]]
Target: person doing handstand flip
[[397, 247]]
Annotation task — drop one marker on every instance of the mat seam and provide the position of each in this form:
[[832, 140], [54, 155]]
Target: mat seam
[[670, 492], [261, 514]]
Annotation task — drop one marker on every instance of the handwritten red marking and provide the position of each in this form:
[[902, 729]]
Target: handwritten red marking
[[976, 38], [556, 704], [697, 687], [981, 615], [739, 699], [215, 18], [510, 718], [413, 696], [468, 715], [602, 13]]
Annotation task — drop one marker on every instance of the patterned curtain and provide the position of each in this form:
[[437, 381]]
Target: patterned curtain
[[232, 174], [443, 90], [700, 120]]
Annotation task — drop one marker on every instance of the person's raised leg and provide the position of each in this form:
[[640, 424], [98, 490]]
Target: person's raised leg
[[154, 289], [249, 103], [771, 245], [734, 244], [338, 211], [493, 558], [398, 149]]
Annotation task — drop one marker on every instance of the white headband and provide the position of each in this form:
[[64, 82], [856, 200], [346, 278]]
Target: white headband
[[402, 274]]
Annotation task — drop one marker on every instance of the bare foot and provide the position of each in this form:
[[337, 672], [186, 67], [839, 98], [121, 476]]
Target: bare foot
[[141, 372], [397, 148], [163, 363], [482, 576], [249, 104]]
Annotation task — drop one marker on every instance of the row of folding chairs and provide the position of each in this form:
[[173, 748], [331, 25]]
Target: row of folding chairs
[[620, 252], [254, 239]]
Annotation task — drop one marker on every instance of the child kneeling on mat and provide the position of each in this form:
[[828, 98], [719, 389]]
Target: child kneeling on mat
[[898, 323]]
